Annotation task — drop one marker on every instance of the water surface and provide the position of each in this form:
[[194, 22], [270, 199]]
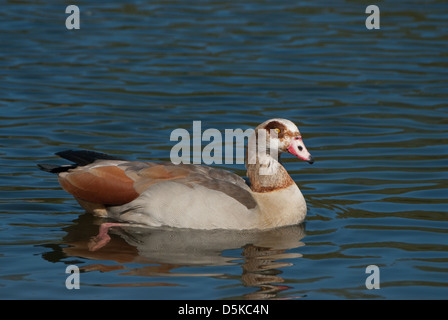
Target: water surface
[[371, 104]]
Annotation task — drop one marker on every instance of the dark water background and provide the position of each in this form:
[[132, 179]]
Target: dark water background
[[371, 104]]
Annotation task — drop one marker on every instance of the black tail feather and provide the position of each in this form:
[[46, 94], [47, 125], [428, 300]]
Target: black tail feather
[[55, 169], [84, 157], [79, 157]]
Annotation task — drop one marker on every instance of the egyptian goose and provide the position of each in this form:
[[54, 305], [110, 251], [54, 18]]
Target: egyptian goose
[[187, 195]]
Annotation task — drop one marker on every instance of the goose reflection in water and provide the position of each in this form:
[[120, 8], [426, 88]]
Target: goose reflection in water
[[161, 251]]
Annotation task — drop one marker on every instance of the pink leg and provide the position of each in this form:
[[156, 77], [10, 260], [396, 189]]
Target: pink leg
[[102, 238]]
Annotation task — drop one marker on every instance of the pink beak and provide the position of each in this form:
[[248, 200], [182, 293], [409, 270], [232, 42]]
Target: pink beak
[[297, 148]]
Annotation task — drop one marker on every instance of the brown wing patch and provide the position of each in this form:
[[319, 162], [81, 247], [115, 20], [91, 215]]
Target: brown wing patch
[[189, 175], [106, 185], [158, 173], [164, 172]]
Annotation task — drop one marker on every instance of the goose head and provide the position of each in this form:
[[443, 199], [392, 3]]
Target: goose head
[[283, 136]]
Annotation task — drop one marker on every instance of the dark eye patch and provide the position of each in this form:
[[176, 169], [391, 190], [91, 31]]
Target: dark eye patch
[[276, 125]]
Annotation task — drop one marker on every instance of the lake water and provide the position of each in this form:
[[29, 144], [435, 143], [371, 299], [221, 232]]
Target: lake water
[[371, 105]]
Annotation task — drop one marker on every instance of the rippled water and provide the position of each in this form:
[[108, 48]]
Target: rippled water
[[371, 104]]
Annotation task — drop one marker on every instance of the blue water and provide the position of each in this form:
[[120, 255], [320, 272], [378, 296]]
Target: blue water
[[371, 105]]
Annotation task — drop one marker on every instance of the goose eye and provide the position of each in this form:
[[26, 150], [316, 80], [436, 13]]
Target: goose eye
[[276, 130]]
